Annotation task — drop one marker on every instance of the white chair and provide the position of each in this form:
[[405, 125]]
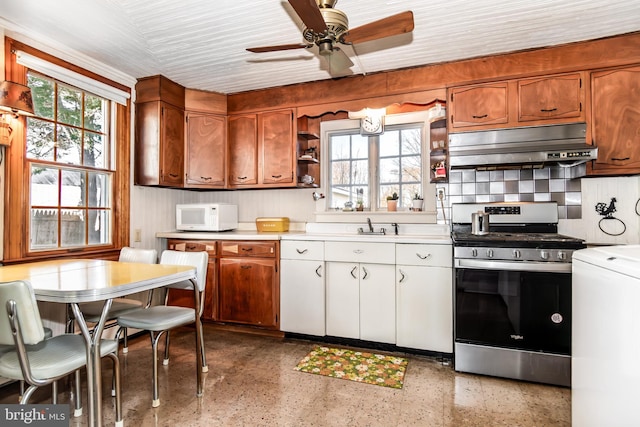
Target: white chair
[[36, 359], [93, 310], [160, 319]]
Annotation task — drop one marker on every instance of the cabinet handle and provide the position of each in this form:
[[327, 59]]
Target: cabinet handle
[[318, 271], [241, 178], [276, 176], [191, 247], [401, 274], [301, 251], [247, 249], [352, 271], [206, 178], [548, 110], [480, 117], [365, 273], [358, 251], [619, 159], [173, 175], [245, 267], [427, 256]]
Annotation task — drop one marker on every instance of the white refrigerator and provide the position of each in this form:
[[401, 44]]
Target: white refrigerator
[[605, 342]]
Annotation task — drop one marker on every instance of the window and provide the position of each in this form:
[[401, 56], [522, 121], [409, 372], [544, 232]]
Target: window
[[68, 154], [68, 166], [369, 169]]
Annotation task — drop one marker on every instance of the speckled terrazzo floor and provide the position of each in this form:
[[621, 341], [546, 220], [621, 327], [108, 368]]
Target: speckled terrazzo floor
[[251, 382]]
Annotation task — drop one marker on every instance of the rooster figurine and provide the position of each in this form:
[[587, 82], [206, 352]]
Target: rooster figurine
[[607, 211]]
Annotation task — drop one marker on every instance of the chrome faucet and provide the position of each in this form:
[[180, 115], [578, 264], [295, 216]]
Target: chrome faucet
[[370, 226], [370, 231]]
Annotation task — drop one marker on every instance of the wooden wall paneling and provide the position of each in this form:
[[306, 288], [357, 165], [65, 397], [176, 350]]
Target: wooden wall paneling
[[205, 102]]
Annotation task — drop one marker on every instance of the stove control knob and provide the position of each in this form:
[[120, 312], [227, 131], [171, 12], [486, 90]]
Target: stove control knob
[[489, 253], [474, 252], [562, 255], [516, 253], [544, 255]]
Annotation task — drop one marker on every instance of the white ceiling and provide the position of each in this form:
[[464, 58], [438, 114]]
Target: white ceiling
[[201, 43]]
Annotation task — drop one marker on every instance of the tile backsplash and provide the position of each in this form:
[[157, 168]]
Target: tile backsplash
[[554, 183]]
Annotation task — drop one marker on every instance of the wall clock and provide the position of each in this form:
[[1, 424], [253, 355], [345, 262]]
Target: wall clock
[[372, 125]]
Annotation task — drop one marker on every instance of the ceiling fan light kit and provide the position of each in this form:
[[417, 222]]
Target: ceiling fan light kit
[[326, 27]]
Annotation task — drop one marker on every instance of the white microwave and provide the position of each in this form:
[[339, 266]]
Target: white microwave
[[207, 217]]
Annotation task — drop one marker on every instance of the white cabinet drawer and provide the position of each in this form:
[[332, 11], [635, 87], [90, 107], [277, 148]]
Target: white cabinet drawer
[[426, 255], [376, 253], [302, 249]]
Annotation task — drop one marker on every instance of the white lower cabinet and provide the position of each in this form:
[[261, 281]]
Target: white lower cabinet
[[361, 294], [424, 297], [302, 287]]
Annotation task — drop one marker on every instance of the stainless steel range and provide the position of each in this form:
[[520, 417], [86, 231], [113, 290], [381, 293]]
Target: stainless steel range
[[513, 292]]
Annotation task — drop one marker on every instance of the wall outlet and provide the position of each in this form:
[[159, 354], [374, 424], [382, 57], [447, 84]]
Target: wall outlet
[[440, 193], [137, 235]]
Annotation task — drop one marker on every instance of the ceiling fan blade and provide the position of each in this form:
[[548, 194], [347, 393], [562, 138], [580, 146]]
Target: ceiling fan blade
[[385, 27], [276, 48], [310, 14], [338, 60]]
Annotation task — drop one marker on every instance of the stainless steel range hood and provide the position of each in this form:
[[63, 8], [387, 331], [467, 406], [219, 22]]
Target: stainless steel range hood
[[521, 148]]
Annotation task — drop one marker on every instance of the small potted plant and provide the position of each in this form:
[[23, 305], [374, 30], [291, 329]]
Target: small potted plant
[[417, 202], [392, 202]]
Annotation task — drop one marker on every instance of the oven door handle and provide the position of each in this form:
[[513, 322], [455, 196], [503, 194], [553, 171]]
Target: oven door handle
[[552, 267]]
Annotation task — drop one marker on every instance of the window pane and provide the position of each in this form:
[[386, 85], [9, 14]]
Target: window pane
[[42, 92], [340, 147], [44, 186], [72, 193], [411, 141], [72, 227], [94, 150], [99, 227], [360, 147], [99, 190], [340, 173], [40, 139], [68, 145], [360, 172], [389, 170], [389, 145], [411, 169], [94, 113], [44, 228], [69, 105]]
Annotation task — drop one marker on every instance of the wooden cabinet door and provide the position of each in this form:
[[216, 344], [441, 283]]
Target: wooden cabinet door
[[243, 150], [183, 297], [479, 105], [550, 98], [277, 147], [206, 151], [248, 291], [172, 145], [616, 121]]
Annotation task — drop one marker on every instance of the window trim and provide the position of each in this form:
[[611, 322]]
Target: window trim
[[16, 215]]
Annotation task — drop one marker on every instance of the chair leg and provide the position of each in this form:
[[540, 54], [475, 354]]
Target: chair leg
[[77, 411], [118, 396], [154, 379], [54, 392], [27, 394], [165, 362], [205, 367], [125, 345]]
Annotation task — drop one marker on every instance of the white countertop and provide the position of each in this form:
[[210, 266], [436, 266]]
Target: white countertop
[[427, 234]]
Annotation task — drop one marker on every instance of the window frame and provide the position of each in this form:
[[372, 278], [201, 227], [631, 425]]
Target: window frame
[[17, 180], [392, 122]]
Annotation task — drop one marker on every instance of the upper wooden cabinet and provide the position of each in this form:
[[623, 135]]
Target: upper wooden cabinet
[[548, 98], [206, 139], [261, 149], [615, 125], [159, 147], [205, 151], [479, 105], [515, 103]]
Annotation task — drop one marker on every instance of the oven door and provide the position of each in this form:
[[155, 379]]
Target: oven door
[[517, 305]]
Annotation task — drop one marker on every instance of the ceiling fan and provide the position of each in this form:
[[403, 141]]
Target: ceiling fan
[[327, 28]]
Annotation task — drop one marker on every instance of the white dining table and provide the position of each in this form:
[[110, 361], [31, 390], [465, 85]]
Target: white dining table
[[74, 281]]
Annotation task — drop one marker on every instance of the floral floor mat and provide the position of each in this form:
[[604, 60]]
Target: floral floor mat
[[361, 366]]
